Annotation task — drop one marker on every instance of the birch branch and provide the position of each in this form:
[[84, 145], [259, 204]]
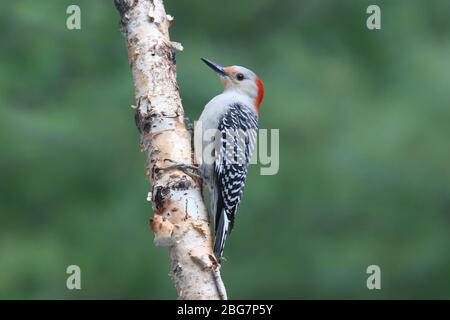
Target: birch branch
[[180, 220]]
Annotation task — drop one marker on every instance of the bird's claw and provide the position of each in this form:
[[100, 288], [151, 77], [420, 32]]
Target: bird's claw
[[190, 170]]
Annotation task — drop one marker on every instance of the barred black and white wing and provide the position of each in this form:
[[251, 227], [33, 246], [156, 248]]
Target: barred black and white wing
[[237, 129]]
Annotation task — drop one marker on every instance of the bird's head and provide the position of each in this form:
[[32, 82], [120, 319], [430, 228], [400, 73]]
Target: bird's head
[[240, 79]]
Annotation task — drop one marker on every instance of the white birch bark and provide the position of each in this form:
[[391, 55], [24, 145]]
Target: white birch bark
[[180, 220]]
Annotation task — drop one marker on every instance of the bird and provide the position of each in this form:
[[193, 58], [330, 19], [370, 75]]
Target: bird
[[224, 140]]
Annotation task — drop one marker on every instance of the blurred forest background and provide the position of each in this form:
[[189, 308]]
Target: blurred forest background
[[364, 125]]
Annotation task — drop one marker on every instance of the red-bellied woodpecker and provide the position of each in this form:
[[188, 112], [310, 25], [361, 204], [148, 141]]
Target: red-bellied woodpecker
[[225, 136]]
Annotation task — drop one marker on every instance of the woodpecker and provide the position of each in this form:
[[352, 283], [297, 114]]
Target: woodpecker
[[225, 136]]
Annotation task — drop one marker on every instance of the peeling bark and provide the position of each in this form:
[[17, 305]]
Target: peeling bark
[[180, 220]]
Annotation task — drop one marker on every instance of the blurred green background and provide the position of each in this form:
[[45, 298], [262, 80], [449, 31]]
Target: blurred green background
[[364, 125]]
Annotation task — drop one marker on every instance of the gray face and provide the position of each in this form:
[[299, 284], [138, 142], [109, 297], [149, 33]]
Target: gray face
[[240, 79]]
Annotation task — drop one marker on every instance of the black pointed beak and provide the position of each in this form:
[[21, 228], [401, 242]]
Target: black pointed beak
[[216, 67]]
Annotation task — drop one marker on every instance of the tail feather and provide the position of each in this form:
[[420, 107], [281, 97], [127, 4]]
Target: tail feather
[[222, 231]]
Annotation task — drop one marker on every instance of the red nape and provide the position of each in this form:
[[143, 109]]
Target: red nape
[[260, 96]]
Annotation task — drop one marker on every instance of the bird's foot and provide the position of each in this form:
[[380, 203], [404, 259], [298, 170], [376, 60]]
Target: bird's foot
[[189, 124], [190, 170]]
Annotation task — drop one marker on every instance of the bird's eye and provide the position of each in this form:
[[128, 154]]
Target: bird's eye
[[240, 76]]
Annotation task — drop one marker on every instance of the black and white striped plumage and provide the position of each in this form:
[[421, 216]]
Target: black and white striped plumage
[[238, 130], [224, 138]]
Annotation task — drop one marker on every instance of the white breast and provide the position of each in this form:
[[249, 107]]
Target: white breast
[[208, 122]]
